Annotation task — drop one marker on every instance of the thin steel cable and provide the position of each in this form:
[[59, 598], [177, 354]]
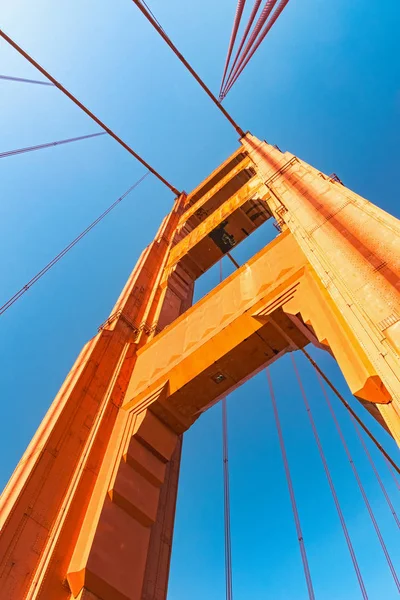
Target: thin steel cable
[[86, 110], [233, 261], [351, 411], [152, 14], [292, 344], [330, 481], [375, 470], [145, 11], [289, 481], [63, 252], [49, 145], [392, 474], [227, 512], [244, 38], [359, 482], [266, 11], [23, 80], [262, 36], [235, 27], [227, 504]]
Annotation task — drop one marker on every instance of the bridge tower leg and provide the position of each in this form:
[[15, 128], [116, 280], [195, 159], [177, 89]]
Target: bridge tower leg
[[89, 510]]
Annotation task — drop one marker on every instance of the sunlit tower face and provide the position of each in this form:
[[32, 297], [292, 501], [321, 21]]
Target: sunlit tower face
[[89, 511]]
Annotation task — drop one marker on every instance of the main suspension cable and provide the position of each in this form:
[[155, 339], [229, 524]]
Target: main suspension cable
[[183, 60], [359, 482], [235, 27], [63, 252], [289, 481], [86, 110], [330, 481], [263, 34], [23, 80], [49, 145]]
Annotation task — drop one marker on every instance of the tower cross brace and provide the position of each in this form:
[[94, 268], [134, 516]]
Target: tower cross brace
[[89, 510]]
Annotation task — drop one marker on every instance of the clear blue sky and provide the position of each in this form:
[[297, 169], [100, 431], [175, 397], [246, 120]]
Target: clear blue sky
[[326, 86]]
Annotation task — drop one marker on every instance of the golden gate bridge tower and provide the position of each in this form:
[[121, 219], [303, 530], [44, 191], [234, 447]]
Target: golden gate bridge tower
[[89, 512]]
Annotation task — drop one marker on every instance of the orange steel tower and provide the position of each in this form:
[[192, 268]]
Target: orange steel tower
[[89, 511]]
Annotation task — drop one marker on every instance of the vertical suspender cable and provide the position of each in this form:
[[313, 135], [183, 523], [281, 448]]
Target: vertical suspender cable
[[227, 515], [389, 460], [266, 11], [360, 485], [63, 252], [90, 114], [330, 481], [291, 490], [23, 80], [49, 145], [227, 504], [392, 474], [150, 17], [245, 34], [263, 34], [375, 470], [235, 27]]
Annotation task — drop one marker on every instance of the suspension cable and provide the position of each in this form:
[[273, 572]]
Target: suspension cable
[[351, 411], [235, 27], [86, 110], [359, 482], [48, 145], [244, 38], [330, 481], [263, 34], [23, 80], [227, 504], [378, 477], [392, 474], [266, 11], [183, 60], [227, 512], [289, 481], [63, 252]]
